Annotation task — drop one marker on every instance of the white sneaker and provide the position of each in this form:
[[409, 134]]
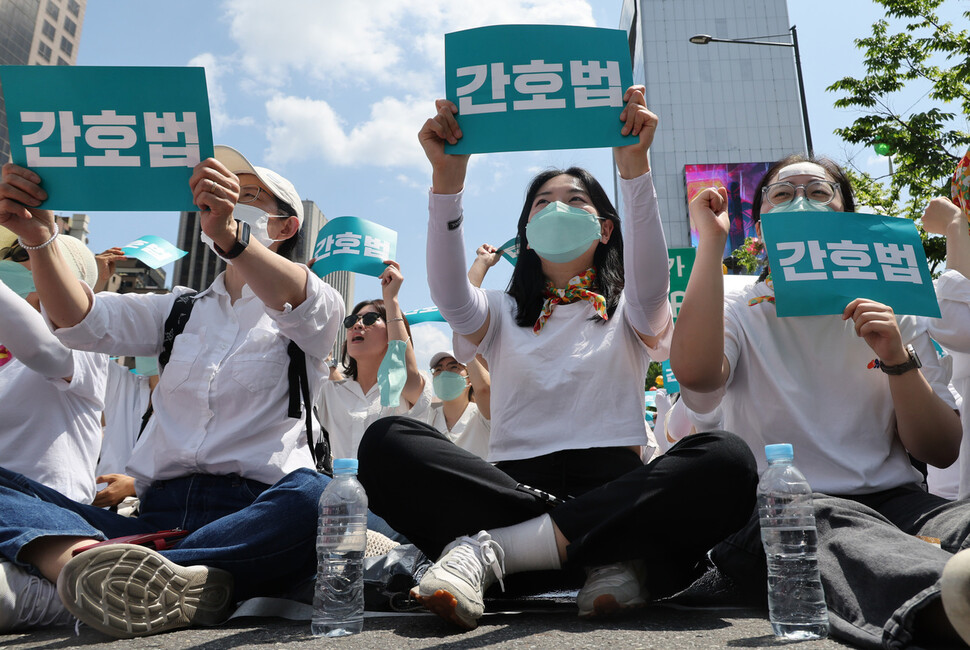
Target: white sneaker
[[612, 588], [129, 591], [454, 586], [28, 601], [955, 589]]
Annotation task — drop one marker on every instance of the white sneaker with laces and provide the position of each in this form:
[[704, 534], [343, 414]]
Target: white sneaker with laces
[[955, 590], [454, 586], [28, 601], [612, 588]]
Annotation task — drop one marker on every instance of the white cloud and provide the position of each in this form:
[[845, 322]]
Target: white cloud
[[373, 43], [215, 71], [429, 339], [305, 128]]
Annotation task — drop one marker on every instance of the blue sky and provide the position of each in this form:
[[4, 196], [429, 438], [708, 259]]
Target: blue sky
[[331, 94]]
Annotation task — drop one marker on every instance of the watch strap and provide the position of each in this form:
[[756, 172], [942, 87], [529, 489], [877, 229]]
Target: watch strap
[[911, 364], [242, 241]]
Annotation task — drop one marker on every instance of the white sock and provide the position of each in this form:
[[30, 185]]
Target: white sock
[[528, 546]]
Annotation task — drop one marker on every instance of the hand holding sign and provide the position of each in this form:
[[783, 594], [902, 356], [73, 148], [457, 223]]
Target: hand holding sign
[[448, 170], [876, 324], [637, 120], [20, 194]]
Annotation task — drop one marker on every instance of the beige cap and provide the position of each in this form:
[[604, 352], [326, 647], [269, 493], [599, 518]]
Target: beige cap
[[279, 186]]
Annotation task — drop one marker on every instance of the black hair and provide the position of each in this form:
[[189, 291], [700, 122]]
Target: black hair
[[528, 281], [829, 165], [287, 249], [349, 363]]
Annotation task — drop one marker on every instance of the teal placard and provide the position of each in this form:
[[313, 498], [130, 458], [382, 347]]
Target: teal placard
[[353, 244], [153, 251], [671, 385], [510, 250], [537, 87], [822, 261], [426, 315], [109, 138], [680, 262]]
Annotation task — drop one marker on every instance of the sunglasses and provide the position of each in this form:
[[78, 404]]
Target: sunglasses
[[14, 252], [367, 319]]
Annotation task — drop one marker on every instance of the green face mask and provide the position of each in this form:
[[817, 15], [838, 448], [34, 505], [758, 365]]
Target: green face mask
[[392, 374], [561, 233], [17, 278], [448, 385]]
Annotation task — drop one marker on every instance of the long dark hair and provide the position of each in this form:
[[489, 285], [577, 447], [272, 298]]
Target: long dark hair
[[528, 281], [349, 363], [829, 165]]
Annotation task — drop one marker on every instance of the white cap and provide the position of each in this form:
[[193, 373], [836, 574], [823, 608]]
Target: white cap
[[79, 258], [441, 355], [279, 186]]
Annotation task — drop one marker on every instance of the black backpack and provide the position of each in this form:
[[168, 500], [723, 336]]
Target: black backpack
[[296, 375]]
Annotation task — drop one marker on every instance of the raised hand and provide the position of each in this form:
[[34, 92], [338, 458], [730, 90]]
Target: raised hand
[[20, 194], [637, 120], [448, 170]]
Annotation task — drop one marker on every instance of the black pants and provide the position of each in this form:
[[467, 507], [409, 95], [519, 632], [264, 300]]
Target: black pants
[[669, 513]]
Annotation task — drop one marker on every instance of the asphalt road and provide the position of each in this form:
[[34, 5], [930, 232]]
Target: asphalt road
[[548, 627]]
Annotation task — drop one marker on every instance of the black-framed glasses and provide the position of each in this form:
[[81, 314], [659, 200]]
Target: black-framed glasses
[[14, 252], [820, 191], [249, 193], [367, 319]]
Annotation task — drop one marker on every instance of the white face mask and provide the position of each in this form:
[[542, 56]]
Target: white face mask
[[258, 227]]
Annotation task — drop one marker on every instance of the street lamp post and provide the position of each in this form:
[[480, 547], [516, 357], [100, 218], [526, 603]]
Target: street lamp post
[[704, 39]]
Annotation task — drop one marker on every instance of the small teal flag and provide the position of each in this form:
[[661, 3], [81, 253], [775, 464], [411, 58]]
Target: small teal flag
[[353, 244], [537, 87], [822, 261], [153, 251], [426, 315], [671, 385], [109, 138], [510, 250]]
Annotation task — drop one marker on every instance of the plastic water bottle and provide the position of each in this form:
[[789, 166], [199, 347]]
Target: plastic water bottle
[[338, 600], [796, 602]]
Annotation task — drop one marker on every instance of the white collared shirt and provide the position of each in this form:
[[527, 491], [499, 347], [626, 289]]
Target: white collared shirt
[[221, 404], [346, 412]]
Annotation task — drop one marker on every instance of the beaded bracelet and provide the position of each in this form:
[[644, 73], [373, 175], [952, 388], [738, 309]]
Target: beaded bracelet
[[40, 246]]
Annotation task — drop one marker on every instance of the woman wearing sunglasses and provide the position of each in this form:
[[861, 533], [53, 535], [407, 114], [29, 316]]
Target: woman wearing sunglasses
[[348, 406]]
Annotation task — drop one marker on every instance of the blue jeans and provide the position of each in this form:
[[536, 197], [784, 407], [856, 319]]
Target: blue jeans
[[877, 575], [264, 535]]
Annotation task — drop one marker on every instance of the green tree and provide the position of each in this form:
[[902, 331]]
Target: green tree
[[928, 52]]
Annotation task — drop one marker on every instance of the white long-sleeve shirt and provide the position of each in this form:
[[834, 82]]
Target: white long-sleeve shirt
[[221, 404], [50, 428]]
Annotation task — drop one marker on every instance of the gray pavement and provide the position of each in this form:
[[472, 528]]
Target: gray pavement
[[548, 627]]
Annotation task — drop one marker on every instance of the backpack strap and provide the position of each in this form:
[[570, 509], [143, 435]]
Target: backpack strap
[[300, 388], [174, 325]]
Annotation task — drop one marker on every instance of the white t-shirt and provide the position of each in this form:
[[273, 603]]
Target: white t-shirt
[[952, 332], [125, 402], [470, 431], [346, 412], [578, 384], [51, 429], [810, 381]]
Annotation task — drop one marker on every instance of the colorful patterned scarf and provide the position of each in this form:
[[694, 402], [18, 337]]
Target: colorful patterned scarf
[[579, 289], [5, 355]]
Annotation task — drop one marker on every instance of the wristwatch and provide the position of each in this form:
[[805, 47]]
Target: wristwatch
[[242, 241], [906, 366]]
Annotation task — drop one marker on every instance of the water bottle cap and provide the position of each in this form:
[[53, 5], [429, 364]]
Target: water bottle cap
[[344, 465], [783, 451]]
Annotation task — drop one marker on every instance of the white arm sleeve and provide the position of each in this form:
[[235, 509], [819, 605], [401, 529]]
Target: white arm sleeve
[[24, 332], [646, 274], [463, 305]]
